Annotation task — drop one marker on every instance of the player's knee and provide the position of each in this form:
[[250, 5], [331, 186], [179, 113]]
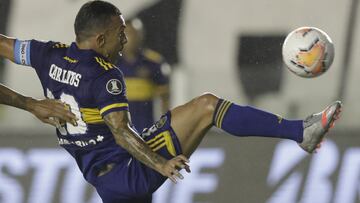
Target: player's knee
[[207, 103]]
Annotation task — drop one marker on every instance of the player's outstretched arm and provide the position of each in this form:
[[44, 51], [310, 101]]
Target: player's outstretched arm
[[45, 110], [7, 47], [127, 138]]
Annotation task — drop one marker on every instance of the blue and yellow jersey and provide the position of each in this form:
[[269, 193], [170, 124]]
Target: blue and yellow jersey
[[90, 86], [142, 77]]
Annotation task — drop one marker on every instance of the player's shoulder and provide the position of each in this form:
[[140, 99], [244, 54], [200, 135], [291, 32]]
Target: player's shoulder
[[50, 50], [48, 44], [58, 45], [100, 65], [59, 48], [153, 56]]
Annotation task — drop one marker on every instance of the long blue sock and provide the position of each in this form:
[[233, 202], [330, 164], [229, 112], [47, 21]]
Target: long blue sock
[[248, 121]]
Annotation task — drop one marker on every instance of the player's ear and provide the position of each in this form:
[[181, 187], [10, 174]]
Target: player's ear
[[100, 40]]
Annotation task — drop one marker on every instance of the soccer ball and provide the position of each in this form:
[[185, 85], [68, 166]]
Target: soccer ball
[[308, 52]]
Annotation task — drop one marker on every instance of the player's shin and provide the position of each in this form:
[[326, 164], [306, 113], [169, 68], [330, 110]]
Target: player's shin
[[249, 121]]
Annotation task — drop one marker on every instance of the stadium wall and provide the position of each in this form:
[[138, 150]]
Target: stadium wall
[[225, 169], [208, 50]]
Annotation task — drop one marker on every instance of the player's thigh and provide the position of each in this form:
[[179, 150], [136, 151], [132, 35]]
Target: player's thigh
[[192, 120]]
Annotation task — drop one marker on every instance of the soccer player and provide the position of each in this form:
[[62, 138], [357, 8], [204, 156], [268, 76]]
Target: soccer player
[[122, 165], [49, 111], [146, 76]]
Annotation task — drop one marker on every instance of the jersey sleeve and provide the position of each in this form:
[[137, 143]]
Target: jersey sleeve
[[109, 92], [31, 52]]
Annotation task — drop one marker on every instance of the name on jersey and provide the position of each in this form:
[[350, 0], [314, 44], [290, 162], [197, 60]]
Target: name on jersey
[[64, 76]]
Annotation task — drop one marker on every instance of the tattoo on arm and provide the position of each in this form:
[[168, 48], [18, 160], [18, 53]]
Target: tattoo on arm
[[12, 98], [130, 140], [7, 47]]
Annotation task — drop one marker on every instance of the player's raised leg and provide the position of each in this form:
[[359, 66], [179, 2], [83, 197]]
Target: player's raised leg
[[192, 120]]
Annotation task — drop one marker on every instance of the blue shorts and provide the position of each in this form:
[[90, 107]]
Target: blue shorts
[[130, 180]]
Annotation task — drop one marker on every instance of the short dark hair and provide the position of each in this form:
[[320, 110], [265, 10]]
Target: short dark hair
[[92, 17]]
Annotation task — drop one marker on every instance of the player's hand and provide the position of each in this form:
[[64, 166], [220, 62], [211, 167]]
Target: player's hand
[[172, 167], [51, 111]]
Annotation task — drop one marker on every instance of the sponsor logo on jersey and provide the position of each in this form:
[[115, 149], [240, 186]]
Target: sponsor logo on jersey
[[161, 122], [149, 131], [82, 143]]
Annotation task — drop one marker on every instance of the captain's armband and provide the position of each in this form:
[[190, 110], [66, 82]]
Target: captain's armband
[[22, 52]]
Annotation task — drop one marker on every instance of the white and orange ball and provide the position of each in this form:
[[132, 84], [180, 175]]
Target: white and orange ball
[[308, 52]]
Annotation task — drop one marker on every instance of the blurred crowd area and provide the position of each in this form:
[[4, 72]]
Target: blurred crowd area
[[230, 48]]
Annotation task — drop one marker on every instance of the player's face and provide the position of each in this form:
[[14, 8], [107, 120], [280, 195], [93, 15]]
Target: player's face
[[115, 38]]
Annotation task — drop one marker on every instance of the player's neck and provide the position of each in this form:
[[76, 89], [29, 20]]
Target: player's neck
[[86, 45]]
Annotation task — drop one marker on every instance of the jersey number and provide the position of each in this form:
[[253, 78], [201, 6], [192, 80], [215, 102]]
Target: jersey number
[[81, 128]]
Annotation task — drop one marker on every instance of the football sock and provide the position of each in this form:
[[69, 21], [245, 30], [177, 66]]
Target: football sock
[[249, 121]]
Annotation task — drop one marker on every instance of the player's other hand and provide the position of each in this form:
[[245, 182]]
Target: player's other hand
[[172, 167], [51, 111]]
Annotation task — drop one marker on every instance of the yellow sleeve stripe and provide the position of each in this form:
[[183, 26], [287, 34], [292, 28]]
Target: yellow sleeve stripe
[[91, 115], [111, 106]]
